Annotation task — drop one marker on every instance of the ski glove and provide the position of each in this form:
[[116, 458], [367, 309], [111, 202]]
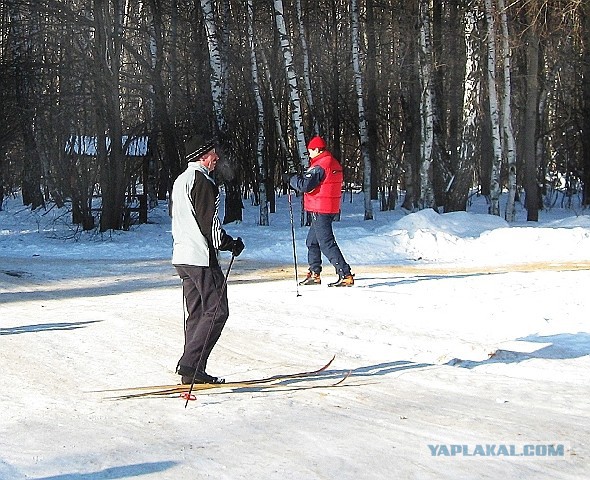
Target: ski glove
[[287, 177], [237, 247]]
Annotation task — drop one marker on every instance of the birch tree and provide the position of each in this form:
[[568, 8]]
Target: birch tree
[[507, 115], [216, 77], [363, 132], [275, 108], [115, 67], [426, 106], [262, 172], [306, 69], [463, 177], [495, 186], [295, 100], [233, 203]]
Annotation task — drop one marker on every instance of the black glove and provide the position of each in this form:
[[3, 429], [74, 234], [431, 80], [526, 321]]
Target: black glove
[[287, 177], [237, 247]]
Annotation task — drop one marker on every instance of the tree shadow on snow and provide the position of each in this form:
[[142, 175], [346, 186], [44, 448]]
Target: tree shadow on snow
[[126, 471], [562, 346], [45, 327], [121, 286]]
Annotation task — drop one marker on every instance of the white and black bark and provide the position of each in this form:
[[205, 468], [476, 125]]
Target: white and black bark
[[294, 95], [495, 185], [217, 68], [463, 179], [363, 131], [262, 171], [307, 70], [233, 202], [509, 143], [426, 106]]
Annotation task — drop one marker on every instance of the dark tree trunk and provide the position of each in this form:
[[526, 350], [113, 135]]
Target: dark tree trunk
[[31, 183], [233, 202], [335, 85], [487, 150], [372, 105], [531, 184], [410, 107], [585, 12]]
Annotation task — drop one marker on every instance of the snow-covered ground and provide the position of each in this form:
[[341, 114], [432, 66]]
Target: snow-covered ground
[[468, 340]]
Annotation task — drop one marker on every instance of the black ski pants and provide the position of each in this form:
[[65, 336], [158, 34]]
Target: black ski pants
[[207, 307]]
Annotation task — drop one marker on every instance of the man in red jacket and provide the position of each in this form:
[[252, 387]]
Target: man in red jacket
[[322, 187]]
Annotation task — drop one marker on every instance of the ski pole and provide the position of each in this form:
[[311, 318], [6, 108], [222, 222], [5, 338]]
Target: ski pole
[[223, 287], [293, 240]]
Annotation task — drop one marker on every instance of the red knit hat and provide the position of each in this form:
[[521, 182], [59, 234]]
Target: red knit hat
[[316, 142]]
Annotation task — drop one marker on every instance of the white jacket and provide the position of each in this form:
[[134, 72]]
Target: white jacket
[[191, 245]]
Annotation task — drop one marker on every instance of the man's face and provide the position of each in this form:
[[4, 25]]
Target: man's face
[[313, 152], [209, 160]]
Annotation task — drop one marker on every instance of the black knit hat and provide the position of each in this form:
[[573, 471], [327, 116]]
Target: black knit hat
[[195, 147]]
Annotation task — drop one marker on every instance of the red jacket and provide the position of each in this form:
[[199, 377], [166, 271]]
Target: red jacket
[[326, 197]]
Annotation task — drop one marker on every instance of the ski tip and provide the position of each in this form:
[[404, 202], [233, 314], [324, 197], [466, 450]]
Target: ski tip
[[346, 375], [330, 362]]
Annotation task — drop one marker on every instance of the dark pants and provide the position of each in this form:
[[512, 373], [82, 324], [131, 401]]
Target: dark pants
[[320, 239], [203, 287]]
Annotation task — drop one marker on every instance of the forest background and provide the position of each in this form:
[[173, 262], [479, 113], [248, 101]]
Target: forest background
[[422, 101]]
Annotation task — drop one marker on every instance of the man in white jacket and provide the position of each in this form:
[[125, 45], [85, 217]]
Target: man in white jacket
[[198, 236]]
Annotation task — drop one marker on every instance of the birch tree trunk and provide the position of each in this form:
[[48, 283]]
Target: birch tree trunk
[[233, 202], [459, 191], [295, 100], [306, 70], [216, 78], [426, 107], [287, 162], [363, 132], [510, 145], [224, 47], [276, 113], [262, 173], [495, 187]]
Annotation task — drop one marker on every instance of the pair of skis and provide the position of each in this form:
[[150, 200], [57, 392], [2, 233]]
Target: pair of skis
[[183, 390]]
